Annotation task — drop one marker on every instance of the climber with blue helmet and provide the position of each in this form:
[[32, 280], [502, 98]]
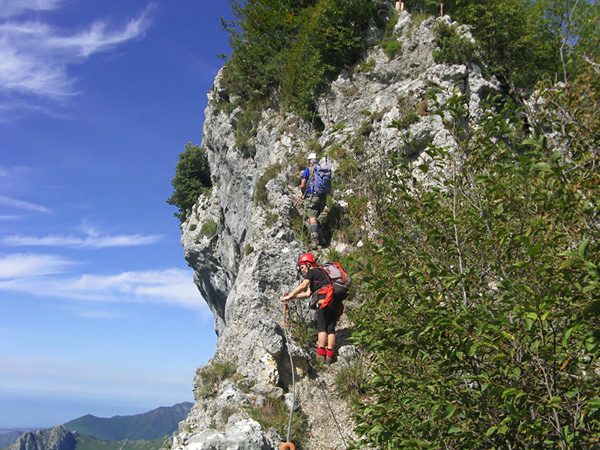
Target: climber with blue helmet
[[315, 185]]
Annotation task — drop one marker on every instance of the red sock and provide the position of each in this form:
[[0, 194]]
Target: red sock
[[321, 351], [330, 353]]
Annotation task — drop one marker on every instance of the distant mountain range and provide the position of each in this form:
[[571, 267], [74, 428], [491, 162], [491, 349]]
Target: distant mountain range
[[142, 432], [148, 426]]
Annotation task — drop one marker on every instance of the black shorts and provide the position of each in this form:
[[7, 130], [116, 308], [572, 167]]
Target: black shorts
[[327, 318]]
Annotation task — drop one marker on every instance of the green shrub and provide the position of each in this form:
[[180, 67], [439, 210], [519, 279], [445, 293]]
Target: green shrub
[[299, 225], [337, 152], [304, 331], [391, 46], [271, 219], [192, 178], [347, 170], [246, 127], [261, 196], [365, 129], [350, 380], [212, 375], [482, 319], [406, 119], [367, 66], [273, 413], [454, 49], [339, 126], [208, 229]]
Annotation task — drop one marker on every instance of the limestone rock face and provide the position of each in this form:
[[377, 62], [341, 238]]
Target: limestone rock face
[[244, 267]]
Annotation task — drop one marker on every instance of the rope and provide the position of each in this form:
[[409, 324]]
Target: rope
[[320, 383]]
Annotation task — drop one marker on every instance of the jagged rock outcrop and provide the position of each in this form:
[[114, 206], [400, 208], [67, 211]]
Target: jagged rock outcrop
[[57, 438], [243, 269]]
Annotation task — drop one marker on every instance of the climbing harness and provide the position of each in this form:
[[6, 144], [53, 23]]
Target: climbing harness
[[288, 445]]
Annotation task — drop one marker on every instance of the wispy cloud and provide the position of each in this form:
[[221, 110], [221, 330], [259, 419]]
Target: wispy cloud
[[22, 204], [26, 265], [43, 275], [16, 7], [90, 241], [34, 56]]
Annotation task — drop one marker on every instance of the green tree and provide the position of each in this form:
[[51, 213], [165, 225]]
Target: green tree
[[294, 45], [484, 291], [192, 178], [576, 23], [258, 36], [515, 38]]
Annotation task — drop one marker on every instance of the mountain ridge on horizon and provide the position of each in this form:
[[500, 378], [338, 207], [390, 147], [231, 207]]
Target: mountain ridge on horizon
[[148, 426], [151, 425]]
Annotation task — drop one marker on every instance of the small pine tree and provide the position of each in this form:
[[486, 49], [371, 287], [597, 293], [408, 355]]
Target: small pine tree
[[192, 177]]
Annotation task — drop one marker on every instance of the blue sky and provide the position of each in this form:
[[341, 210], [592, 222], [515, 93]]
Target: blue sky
[[98, 311]]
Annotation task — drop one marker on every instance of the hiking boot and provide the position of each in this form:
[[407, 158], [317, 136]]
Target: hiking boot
[[321, 358], [330, 356], [322, 241], [314, 244]]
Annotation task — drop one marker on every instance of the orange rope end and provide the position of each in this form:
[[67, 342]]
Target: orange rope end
[[287, 446]]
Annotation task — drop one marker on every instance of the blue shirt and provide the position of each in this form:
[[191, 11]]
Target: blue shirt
[[306, 175]]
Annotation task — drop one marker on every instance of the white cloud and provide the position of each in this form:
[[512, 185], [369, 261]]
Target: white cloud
[[25, 265], [11, 8], [22, 204], [41, 277], [90, 241], [34, 56]]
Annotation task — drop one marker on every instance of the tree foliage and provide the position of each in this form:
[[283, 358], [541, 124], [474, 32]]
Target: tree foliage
[[484, 290], [522, 41], [192, 177], [293, 45]]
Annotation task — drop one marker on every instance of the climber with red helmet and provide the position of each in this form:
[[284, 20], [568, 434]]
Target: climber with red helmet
[[318, 285]]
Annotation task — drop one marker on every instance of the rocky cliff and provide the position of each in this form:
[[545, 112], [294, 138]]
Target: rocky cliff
[[57, 438], [244, 249]]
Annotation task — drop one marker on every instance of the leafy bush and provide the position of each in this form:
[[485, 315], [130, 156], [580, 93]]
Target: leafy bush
[[482, 319], [454, 48], [192, 178]]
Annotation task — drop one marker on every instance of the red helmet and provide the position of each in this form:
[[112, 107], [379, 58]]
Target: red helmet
[[307, 258]]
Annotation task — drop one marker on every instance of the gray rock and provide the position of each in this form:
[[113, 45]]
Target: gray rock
[[243, 435], [57, 438]]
